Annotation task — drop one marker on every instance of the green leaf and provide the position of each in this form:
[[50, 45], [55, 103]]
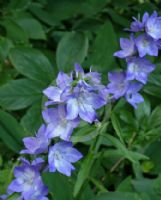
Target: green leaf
[[59, 186], [84, 134], [31, 26], [146, 186], [14, 196], [5, 46], [32, 120], [71, 49], [143, 110], [155, 117], [33, 64], [9, 140], [83, 172], [18, 94], [14, 31], [104, 46], [14, 128], [118, 196], [117, 127]]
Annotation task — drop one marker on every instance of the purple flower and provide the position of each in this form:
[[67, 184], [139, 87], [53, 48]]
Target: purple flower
[[138, 69], [90, 80], [137, 25], [28, 182], [38, 144], [54, 93], [61, 155], [146, 45], [83, 104], [58, 124], [132, 95], [128, 47], [153, 26], [118, 84]]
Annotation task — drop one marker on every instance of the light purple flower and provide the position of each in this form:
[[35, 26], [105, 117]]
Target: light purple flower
[[61, 155], [118, 84], [38, 144], [57, 123], [128, 47], [54, 93], [83, 104], [146, 45], [28, 182], [138, 69], [132, 96], [90, 80], [137, 25], [153, 26]]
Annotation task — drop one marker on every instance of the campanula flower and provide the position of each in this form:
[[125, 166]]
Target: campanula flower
[[153, 26], [60, 157], [54, 93], [128, 47], [38, 144], [28, 182], [146, 45], [83, 104], [132, 96], [138, 69], [138, 25], [118, 84], [57, 123]]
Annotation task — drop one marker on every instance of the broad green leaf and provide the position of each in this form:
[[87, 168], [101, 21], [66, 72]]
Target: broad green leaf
[[32, 120], [125, 185], [104, 46], [5, 46], [33, 64], [31, 26], [15, 32], [11, 125], [146, 186], [21, 93], [118, 196], [118, 19], [9, 140], [59, 186], [71, 49]]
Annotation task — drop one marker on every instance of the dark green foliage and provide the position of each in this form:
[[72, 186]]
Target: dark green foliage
[[38, 38]]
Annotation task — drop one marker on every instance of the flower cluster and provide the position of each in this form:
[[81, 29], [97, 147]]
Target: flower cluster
[[145, 40], [76, 97]]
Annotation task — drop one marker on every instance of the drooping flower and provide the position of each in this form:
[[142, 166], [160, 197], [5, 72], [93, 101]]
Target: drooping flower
[[128, 47], [138, 25], [138, 69], [61, 155], [132, 96], [38, 144], [146, 45], [118, 84], [153, 26], [28, 182], [57, 123]]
